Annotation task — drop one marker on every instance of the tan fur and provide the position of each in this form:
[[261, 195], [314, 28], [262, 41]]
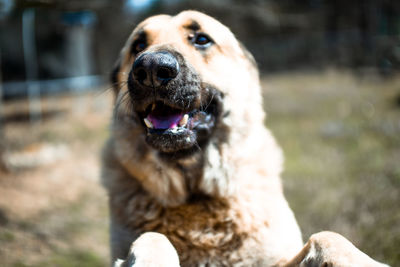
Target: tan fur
[[221, 206]]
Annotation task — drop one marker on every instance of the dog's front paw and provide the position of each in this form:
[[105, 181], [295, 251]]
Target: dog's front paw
[[330, 249], [150, 249]]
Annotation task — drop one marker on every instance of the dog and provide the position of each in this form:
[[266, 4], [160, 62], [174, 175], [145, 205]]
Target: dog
[[192, 174]]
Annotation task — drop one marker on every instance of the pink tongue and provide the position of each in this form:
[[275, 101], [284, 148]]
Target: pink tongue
[[167, 122]]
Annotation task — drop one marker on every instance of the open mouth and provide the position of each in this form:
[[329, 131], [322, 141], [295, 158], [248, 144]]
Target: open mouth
[[170, 129], [162, 117]]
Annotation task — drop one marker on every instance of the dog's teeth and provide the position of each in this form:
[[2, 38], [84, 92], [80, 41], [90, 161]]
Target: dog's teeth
[[148, 123], [184, 120]]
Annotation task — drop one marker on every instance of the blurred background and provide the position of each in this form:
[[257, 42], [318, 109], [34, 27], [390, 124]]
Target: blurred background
[[331, 85]]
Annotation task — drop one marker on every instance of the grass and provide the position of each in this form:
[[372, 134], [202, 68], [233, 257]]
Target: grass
[[73, 234], [341, 134], [6, 236], [68, 259]]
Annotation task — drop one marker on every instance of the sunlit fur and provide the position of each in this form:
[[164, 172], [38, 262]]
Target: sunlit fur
[[223, 204]]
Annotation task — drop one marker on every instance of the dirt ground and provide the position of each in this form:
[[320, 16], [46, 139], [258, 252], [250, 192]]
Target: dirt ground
[[53, 211], [340, 134]]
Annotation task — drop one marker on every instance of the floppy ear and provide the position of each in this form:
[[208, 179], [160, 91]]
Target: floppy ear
[[114, 77]]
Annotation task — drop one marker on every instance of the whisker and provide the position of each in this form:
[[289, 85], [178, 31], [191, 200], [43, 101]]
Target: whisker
[[209, 103], [112, 86], [196, 144], [125, 97]]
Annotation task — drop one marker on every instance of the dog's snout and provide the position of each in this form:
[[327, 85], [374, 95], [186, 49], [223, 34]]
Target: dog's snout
[[154, 69]]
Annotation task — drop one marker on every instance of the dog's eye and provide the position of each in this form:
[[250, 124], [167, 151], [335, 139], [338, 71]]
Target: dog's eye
[[201, 40], [138, 46]]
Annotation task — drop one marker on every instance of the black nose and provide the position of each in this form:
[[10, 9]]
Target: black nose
[[155, 68]]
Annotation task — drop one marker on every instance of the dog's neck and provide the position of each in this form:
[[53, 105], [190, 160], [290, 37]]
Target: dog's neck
[[214, 171]]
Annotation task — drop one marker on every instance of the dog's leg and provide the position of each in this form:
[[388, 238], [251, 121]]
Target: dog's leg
[[150, 249], [328, 249]]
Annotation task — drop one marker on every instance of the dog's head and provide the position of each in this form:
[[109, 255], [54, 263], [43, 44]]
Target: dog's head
[[185, 87]]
